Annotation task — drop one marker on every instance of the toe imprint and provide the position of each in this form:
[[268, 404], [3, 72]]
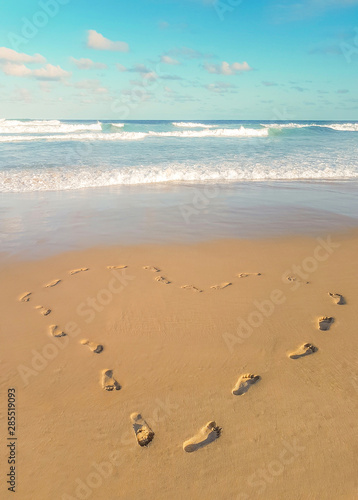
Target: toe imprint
[[81, 269], [109, 383], [52, 283], [55, 331], [25, 297], [244, 383], [221, 286], [338, 298], [325, 322], [303, 350], [207, 434], [96, 348], [143, 432]]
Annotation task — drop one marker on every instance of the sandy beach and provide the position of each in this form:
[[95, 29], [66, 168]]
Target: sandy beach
[[112, 348]]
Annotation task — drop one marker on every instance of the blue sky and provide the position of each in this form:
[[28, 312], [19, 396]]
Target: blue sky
[[179, 59]]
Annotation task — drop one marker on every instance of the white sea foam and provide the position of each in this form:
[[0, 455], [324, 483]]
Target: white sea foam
[[192, 125], [219, 132], [343, 127], [45, 127], [122, 136], [63, 178], [134, 136], [119, 125]]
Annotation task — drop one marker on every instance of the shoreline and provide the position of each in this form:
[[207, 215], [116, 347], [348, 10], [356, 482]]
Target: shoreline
[[176, 354], [40, 224]]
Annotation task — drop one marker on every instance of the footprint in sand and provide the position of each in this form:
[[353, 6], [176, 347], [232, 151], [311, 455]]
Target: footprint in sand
[[191, 287], [247, 275], [338, 298], [96, 348], [25, 297], [109, 383], [151, 268], [55, 331], [221, 286], [207, 434], [52, 283], [43, 310], [325, 322], [303, 350], [80, 270], [163, 280], [244, 383], [293, 279], [116, 267], [143, 432]]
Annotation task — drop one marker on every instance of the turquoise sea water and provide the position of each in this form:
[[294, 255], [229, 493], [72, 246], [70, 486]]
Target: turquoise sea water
[[69, 184]]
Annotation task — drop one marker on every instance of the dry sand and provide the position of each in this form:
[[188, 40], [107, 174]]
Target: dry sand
[[177, 336]]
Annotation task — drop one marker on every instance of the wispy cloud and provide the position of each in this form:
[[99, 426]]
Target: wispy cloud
[[88, 64], [9, 55], [98, 42], [219, 87], [269, 84], [227, 69], [168, 60], [188, 53]]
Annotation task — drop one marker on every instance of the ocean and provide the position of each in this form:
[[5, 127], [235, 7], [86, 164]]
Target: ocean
[[65, 184]]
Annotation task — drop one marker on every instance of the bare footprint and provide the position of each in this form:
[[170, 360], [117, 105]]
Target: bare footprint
[[96, 348], [293, 279], [244, 383], [207, 434], [81, 269], [43, 310], [221, 286], [143, 432], [116, 267], [163, 280], [338, 298], [191, 287], [52, 283], [303, 350], [109, 383], [25, 297], [56, 332], [246, 275], [325, 322], [151, 268]]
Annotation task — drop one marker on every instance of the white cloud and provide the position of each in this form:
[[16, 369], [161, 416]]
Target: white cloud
[[12, 69], [99, 42], [227, 69], [47, 72], [9, 55], [50, 72], [168, 60], [88, 64], [92, 85]]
